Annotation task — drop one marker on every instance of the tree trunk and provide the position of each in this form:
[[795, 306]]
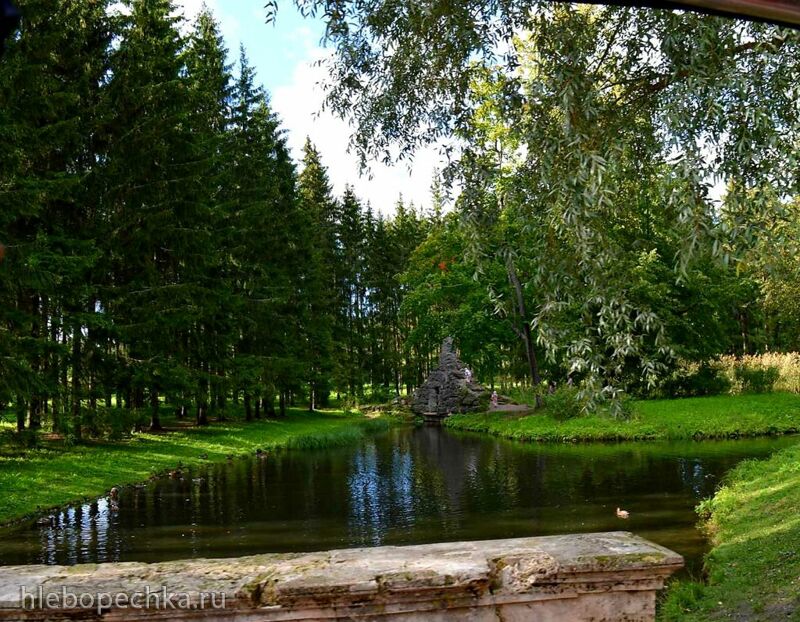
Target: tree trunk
[[248, 409], [35, 413], [269, 406], [34, 406], [20, 408], [59, 377], [202, 396], [526, 334], [155, 419], [138, 397], [222, 400], [76, 383]]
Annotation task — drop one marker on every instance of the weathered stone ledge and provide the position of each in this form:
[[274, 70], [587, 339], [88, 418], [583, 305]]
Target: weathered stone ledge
[[604, 576]]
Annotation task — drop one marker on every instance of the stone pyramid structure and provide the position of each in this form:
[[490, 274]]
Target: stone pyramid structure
[[447, 389]]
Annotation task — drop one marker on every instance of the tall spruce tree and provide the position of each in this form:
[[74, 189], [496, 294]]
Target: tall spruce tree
[[212, 331], [351, 297], [152, 170], [319, 274], [267, 247], [50, 80]]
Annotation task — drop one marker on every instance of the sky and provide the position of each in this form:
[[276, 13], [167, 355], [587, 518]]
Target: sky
[[283, 55]]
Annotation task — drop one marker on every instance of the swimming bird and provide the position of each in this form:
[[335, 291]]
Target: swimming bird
[[623, 513], [46, 521]]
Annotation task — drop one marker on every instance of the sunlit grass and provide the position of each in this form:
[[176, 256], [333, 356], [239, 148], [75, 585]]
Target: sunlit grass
[[51, 474], [754, 568], [727, 416]]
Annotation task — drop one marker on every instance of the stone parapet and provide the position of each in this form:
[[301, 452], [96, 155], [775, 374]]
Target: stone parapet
[[602, 576]]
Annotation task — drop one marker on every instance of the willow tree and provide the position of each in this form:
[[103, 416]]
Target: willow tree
[[602, 105]]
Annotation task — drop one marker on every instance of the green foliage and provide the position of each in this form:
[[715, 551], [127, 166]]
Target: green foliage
[[163, 252], [380, 394], [121, 424], [594, 139], [730, 374], [444, 299], [753, 568], [787, 364], [696, 381], [757, 380], [563, 404]]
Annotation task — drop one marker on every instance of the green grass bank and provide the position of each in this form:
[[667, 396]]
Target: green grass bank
[[52, 474], [754, 568], [724, 416]]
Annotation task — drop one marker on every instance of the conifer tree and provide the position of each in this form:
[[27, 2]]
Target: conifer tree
[[319, 276], [213, 330], [49, 217], [152, 171], [267, 245]]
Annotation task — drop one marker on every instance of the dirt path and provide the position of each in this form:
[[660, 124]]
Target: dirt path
[[511, 408]]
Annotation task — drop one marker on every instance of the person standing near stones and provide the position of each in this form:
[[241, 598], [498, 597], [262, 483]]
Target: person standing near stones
[[468, 374]]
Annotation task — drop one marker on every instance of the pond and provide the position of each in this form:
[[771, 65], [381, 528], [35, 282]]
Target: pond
[[406, 485]]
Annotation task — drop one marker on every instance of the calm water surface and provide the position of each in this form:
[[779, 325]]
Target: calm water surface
[[403, 486]]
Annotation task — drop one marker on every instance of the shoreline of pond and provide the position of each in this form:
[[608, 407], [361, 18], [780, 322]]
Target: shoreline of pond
[[51, 478], [696, 418], [753, 566], [731, 514], [398, 485]]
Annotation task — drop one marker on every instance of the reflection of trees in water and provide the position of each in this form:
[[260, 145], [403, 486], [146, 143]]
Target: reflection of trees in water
[[401, 486], [80, 534], [694, 477], [366, 515], [394, 486]]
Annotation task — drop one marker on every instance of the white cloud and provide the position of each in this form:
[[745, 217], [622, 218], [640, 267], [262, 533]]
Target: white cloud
[[299, 104]]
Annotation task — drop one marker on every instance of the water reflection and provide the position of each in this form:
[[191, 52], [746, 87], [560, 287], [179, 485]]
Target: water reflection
[[400, 487]]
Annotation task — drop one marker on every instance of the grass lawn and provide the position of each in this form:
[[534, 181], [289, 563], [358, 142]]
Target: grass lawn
[[754, 568], [51, 474], [724, 416]]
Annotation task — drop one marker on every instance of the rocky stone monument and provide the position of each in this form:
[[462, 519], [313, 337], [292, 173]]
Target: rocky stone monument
[[448, 389]]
